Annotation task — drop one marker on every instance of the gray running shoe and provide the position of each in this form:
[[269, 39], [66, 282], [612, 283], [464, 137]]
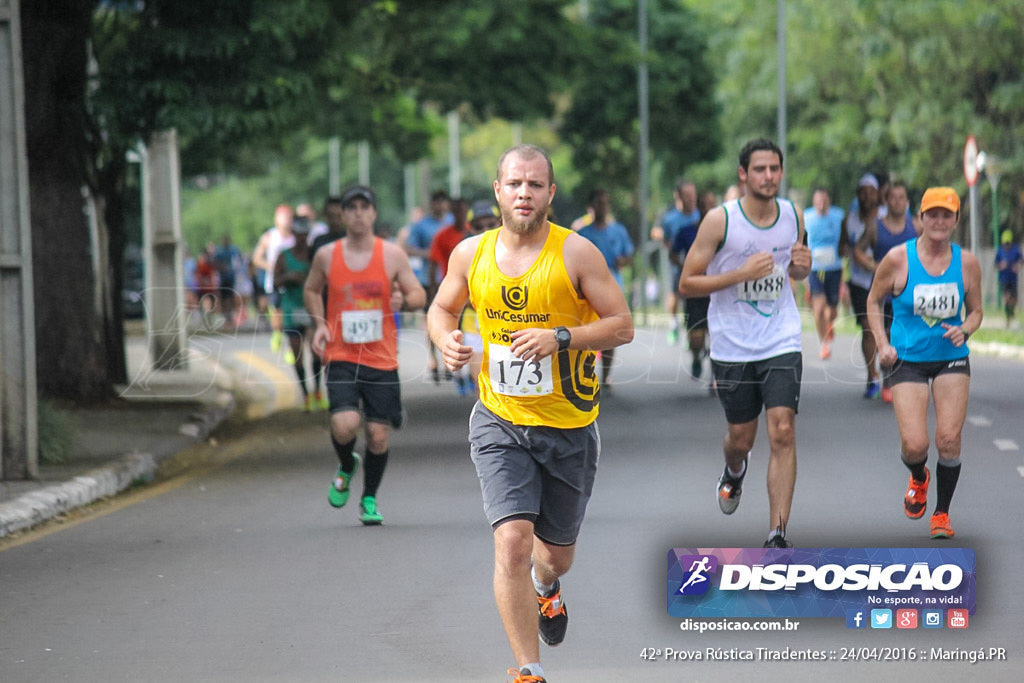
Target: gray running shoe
[[729, 491]]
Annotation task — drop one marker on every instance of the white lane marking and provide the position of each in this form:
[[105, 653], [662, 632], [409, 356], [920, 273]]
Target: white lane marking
[[979, 421], [1006, 444]]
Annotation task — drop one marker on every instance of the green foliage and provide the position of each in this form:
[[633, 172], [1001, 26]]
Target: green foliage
[[872, 85], [58, 433], [876, 85], [602, 123], [503, 59], [218, 72], [992, 333]]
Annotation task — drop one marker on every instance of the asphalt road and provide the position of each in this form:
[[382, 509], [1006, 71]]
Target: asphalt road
[[238, 570]]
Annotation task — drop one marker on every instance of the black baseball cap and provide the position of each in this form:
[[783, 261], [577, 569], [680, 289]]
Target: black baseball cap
[[358, 192]]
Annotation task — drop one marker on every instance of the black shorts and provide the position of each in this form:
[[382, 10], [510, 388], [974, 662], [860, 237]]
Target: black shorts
[[747, 387], [377, 392], [859, 303], [924, 372], [696, 308], [826, 282]]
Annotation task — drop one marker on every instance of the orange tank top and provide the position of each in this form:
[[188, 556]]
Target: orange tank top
[[359, 312]]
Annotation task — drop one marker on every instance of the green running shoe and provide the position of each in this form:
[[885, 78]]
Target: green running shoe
[[338, 495], [370, 516]]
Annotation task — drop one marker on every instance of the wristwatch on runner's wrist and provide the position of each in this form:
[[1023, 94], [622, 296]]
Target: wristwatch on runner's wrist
[[563, 337]]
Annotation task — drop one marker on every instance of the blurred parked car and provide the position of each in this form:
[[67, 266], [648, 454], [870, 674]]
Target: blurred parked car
[[132, 296]]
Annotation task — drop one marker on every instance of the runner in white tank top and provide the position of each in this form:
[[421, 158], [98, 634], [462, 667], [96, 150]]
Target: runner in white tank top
[[757, 318], [744, 255]]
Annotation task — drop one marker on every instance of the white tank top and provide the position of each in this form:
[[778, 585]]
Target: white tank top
[[276, 243], [859, 275], [756, 319]]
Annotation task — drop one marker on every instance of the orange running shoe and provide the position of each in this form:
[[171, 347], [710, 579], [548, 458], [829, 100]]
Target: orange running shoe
[[940, 526], [524, 676], [916, 499], [554, 620], [886, 395]]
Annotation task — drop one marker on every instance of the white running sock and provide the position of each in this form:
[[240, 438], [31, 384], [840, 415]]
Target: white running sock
[[541, 588]]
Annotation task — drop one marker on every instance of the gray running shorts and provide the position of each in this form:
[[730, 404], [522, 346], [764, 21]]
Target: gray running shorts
[[542, 474], [744, 388]]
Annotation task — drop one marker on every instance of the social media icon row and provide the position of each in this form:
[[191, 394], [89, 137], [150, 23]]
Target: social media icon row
[[906, 618]]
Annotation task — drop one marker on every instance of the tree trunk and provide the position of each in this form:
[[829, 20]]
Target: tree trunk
[[111, 188], [72, 362]]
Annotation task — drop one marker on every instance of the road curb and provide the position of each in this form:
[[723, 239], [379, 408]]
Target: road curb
[[39, 506], [48, 502]]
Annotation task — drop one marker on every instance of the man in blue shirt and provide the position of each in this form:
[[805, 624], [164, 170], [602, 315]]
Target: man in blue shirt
[[1008, 262], [695, 307], [417, 246], [824, 225], [684, 215], [612, 240]]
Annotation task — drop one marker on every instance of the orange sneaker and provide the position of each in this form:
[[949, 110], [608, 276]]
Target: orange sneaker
[[524, 676], [916, 499], [940, 526], [553, 618], [886, 395], [826, 351]]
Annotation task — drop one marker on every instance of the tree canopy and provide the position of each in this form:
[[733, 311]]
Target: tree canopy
[[890, 87], [872, 85], [601, 125]]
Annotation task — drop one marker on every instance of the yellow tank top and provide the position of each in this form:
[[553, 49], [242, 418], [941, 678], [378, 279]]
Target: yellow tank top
[[558, 391]]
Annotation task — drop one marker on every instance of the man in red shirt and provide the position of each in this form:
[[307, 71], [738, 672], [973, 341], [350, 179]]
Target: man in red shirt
[[445, 240]]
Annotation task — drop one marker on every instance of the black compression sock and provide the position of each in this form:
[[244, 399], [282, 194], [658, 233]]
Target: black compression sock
[[374, 466], [318, 368], [916, 470], [344, 453], [945, 484]]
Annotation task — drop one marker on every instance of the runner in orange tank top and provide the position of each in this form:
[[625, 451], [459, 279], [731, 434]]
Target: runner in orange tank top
[[367, 279]]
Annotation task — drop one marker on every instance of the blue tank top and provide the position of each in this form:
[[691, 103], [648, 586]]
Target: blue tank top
[[924, 303], [885, 240]]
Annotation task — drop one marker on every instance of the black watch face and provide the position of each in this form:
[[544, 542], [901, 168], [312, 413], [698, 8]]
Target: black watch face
[[562, 336]]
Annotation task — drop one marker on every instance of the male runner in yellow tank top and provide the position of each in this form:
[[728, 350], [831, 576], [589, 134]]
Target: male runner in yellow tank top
[[546, 302]]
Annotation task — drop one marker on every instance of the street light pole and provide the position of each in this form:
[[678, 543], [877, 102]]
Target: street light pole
[[639, 282], [992, 166], [780, 31]]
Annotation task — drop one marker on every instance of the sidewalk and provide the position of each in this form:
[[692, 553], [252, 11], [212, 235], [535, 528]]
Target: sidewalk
[[158, 415]]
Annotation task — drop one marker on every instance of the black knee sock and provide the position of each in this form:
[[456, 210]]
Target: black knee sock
[[916, 470], [945, 483], [300, 372], [318, 367], [344, 452], [374, 472]]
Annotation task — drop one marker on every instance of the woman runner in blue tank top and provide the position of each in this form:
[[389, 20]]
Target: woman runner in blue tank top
[[936, 292]]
